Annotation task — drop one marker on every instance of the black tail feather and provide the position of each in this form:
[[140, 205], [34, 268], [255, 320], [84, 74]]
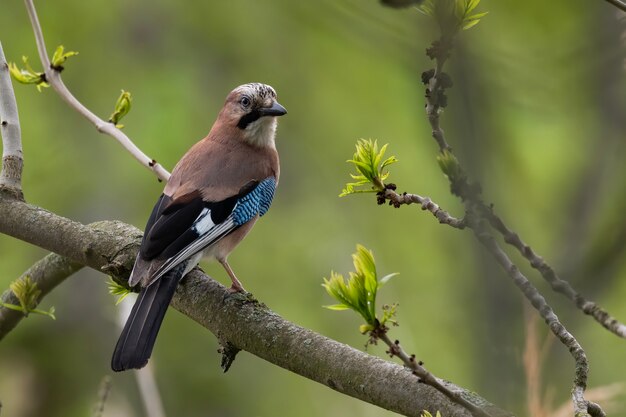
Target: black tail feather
[[135, 344]]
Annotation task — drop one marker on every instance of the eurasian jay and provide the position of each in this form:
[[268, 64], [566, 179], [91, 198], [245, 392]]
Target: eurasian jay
[[215, 194]]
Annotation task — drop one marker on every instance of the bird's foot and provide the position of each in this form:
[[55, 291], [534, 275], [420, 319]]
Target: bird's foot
[[237, 288]]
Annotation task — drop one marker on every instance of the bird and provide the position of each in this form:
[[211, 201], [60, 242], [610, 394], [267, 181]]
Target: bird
[[215, 194]]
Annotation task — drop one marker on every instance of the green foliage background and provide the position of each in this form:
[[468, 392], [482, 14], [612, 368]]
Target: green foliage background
[[536, 113]]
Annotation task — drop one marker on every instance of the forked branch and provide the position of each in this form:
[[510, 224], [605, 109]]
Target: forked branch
[[53, 77]]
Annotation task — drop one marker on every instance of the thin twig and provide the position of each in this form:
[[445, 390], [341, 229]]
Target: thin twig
[[582, 407], [12, 159], [475, 219], [556, 283], [395, 349], [426, 204], [103, 394], [47, 273], [619, 4], [53, 77]]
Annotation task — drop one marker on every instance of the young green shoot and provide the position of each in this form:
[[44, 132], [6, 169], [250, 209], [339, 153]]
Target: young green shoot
[[360, 290], [27, 293], [122, 107], [370, 166], [60, 56], [118, 290], [28, 75], [452, 15], [425, 413]]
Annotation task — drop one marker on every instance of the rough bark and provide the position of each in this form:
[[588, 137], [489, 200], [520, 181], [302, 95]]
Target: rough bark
[[111, 246]]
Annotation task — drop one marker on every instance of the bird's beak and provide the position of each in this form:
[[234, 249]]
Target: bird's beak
[[275, 110]]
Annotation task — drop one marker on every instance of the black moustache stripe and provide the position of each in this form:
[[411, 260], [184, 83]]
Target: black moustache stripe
[[246, 119]]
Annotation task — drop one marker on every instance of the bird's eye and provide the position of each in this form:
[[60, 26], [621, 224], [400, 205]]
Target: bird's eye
[[245, 101]]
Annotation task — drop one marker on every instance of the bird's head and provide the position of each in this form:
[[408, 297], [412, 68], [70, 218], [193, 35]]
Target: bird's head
[[253, 109]]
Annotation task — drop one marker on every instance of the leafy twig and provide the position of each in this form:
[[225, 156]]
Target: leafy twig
[[53, 77], [370, 166], [359, 295], [28, 295], [47, 273]]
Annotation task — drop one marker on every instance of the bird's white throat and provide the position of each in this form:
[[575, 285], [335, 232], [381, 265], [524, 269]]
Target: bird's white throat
[[261, 132]]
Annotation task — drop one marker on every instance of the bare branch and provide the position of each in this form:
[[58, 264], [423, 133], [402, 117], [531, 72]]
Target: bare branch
[[395, 349], [582, 407], [112, 246], [556, 283], [47, 274], [53, 77], [426, 204], [477, 218], [619, 4], [12, 162]]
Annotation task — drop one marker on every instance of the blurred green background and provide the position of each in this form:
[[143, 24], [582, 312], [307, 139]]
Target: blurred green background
[[536, 113]]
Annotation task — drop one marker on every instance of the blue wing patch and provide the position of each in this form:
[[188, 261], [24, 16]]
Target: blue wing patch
[[258, 201], [211, 222]]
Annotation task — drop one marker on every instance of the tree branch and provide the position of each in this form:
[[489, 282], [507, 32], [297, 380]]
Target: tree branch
[[426, 203], [47, 273], [556, 283], [619, 4], [53, 77], [395, 349], [111, 247], [581, 406], [12, 162]]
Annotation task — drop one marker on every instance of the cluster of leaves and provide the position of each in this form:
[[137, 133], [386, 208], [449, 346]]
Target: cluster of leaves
[[369, 163], [59, 57], [27, 293], [359, 292], [28, 75], [452, 15], [119, 290], [122, 107]]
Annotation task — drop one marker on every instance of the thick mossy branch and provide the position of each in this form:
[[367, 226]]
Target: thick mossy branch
[[111, 247]]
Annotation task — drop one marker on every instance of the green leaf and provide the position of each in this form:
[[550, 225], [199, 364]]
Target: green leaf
[[359, 292], [370, 170], [387, 277], [28, 294], [117, 289], [337, 307], [472, 21], [452, 15], [28, 75], [60, 56], [122, 107]]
